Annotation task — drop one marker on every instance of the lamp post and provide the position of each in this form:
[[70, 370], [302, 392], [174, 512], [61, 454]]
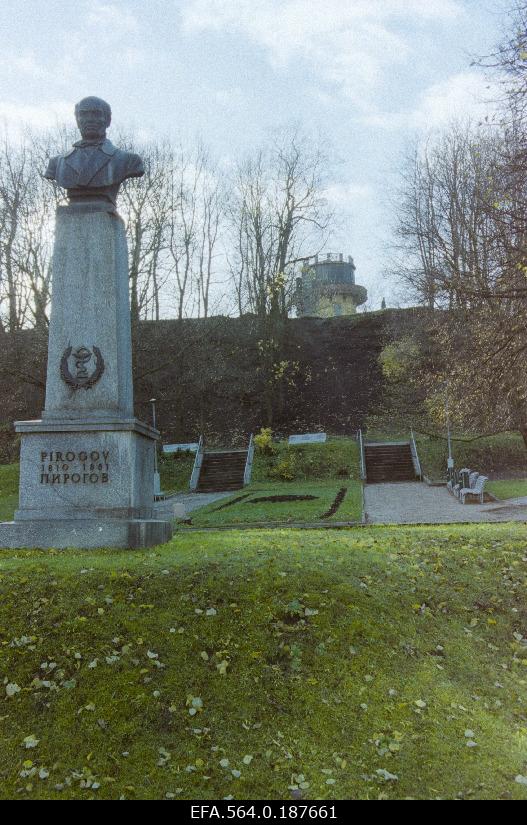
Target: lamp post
[[157, 478], [450, 464]]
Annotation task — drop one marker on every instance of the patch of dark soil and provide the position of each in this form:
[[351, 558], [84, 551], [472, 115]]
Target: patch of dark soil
[[277, 499], [339, 498], [230, 503]]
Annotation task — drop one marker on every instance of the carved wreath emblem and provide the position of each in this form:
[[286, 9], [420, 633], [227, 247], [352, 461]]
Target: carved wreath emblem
[[81, 356]]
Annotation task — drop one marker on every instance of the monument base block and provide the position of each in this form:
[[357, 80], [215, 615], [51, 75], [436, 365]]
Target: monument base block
[[86, 483], [84, 533]]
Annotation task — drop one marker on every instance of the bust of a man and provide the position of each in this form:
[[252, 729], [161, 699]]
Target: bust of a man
[[94, 168]]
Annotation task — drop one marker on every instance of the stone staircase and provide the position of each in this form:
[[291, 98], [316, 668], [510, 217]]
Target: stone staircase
[[222, 471], [391, 461]]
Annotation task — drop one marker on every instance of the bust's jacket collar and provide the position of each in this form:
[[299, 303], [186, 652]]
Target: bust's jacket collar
[[106, 146]]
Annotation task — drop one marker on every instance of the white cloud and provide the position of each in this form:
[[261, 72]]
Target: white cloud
[[16, 117], [25, 63], [19, 66], [113, 17], [348, 44], [109, 27], [132, 58], [115, 30], [345, 196], [231, 98], [463, 95], [105, 31], [296, 20]]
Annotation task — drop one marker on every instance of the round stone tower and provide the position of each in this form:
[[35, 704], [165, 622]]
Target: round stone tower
[[327, 287]]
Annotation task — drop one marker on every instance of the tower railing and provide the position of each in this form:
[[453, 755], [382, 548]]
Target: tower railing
[[330, 258]]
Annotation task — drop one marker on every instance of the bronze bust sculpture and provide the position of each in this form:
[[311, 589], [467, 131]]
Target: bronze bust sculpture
[[94, 168]]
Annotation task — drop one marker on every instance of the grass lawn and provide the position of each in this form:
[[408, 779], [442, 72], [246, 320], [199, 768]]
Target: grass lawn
[[365, 663], [510, 488], [175, 471], [9, 474], [338, 457], [254, 509]]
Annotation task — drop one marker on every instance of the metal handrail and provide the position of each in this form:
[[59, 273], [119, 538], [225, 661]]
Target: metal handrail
[[198, 461], [362, 456], [415, 456], [249, 462]]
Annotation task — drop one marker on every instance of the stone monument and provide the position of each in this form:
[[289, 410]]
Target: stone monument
[[87, 467]]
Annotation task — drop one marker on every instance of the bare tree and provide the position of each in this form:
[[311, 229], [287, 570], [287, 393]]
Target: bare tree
[[212, 206], [464, 252], [27, 208], [508, 63], [447, 242], [196, 197], [278, 215], [14, 184], [184, 186], [147, 211], [38, 216]]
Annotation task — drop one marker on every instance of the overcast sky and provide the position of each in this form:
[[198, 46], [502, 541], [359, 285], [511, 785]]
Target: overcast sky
[[367, 75]]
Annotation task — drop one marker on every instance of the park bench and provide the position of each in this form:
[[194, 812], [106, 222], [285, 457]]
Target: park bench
[[458, 479], [452, 479], [472, 481], [478, 490]]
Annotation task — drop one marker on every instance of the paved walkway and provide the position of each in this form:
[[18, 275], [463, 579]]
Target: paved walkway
[[395, 503], [168, 508], [192, 501], [417, 503]]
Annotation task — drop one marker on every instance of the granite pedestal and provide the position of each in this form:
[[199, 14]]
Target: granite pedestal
[[87, 467]]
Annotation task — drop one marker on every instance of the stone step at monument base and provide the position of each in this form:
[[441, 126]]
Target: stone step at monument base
[[85, 533]]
